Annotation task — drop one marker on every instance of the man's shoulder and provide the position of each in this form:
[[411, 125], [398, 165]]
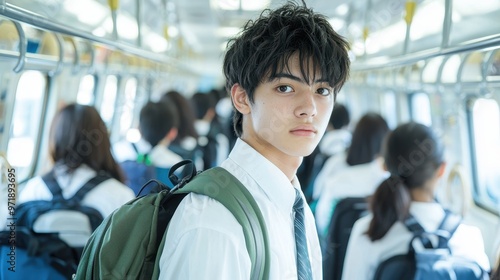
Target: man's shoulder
[[200, 212]]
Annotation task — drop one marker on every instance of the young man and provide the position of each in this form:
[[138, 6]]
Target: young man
[[283, 73]]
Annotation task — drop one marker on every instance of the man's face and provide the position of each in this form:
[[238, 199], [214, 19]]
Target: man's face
[[289, 115]]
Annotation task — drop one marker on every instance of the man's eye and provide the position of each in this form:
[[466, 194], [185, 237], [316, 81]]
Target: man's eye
[[284, 89], [324, 91]]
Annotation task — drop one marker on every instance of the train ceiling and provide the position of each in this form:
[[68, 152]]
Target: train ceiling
[[196, 31]]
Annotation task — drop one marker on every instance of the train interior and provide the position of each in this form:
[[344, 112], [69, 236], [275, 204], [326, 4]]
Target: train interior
[[436, 62]]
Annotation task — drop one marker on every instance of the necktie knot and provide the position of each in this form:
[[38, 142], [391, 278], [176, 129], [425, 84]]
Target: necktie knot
[[299, 203]]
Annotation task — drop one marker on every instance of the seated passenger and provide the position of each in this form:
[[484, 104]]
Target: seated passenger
[[337, 138], [80, 148], [414, 157], [361, 174], [186, 142], [158, 127], [212, 141]]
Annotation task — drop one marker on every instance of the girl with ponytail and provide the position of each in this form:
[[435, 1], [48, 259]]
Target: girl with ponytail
[[413, 156]]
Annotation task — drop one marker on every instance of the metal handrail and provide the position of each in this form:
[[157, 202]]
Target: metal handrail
[[14, 13], [21, 60], [478, 44]]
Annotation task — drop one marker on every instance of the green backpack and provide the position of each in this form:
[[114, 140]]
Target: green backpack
[[129, 242]]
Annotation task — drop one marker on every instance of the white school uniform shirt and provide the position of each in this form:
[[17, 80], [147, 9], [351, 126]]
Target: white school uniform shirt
[[363, 256], [105, 197], [354, 181], [73, 227], [204, 240]]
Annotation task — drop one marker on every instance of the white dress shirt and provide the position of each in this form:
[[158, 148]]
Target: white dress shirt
[[363, 256], [204, 240], [105, 197], [335, 141], [333, 165], [353, 181]]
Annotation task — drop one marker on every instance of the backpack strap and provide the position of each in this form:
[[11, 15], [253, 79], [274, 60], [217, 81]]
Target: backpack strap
[[417, 230], [447, 228], [50, 180], [222, 186], [141, 157], [89, 185]]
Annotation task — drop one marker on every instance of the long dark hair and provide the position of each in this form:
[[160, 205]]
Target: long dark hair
[[79, 136], [367, 139], [412, 155]]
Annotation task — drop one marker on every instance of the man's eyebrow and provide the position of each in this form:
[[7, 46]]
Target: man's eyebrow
[[286, 75], [295, 78]]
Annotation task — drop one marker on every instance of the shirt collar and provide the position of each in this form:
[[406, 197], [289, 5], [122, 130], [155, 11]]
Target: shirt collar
[[273, 182]]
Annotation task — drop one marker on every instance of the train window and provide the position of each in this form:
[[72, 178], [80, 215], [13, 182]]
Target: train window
[[127, 110], [493, 70], [466, 14], [24, 133], [484, 122], [389, 104], [422, 28], [450, 69], [431, 70], [86, 90], [108, 100], [472, 69], [420, 108]]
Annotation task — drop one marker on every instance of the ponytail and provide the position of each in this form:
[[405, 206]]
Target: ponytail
[[389, 203]]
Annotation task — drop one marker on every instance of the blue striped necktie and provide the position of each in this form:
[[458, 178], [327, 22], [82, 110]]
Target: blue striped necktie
[[303, 264]]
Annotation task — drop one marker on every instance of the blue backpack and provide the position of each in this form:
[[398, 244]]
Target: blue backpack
[[47, 255], [139, 171], [431, 262]]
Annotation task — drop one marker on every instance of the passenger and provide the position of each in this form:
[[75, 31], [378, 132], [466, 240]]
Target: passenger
[[362, 172], [185, 144], [212, 140], [80, 148], [336, 140], [414, 157], [158, 122], [337, 137], [283, 84], [495, 274]]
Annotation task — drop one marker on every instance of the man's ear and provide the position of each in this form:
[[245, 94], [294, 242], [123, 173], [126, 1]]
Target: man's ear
[[240, 99]]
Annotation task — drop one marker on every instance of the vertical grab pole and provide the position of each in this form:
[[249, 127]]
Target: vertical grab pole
[[138, 10], [113, 5], [410, 12], [447, 23]]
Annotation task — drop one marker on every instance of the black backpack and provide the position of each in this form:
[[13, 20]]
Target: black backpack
[[347, 211], [46, 255], [433, 262]]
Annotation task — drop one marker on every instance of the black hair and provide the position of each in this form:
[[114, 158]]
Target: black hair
[[340, 116], [79, 136], [367, 139], [412, 154], [266, 44], [185, 115], [202, 102], [156, 119]]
